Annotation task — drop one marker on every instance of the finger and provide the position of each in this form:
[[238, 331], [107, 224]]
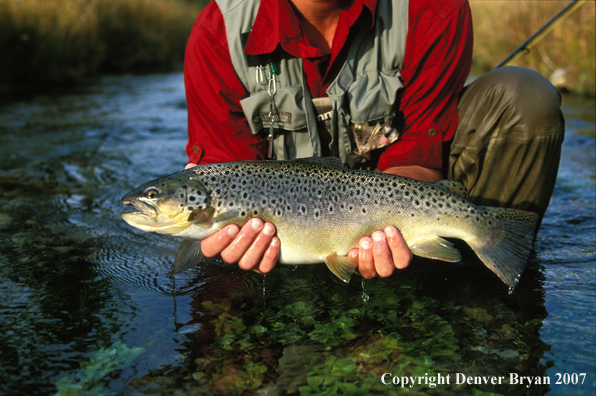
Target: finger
[[382, 255], [270, 257], [366, 265], [217, 242], [189, 165], [402, 256], [254, 254], [248, 233]]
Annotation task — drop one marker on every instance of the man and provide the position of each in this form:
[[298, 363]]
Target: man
[[297, 78]]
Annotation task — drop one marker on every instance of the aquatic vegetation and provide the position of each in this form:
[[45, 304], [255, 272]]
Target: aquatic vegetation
[[344, 350], [104, 362]]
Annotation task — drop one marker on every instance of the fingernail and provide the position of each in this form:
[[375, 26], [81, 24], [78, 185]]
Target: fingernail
[[365, 244], [377, 236], [390, 232], [232, 231], [268, 230], [256, 225], [275, 242]]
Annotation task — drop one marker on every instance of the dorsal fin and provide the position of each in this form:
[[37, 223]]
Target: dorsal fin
[[453, 187], [326, 161]]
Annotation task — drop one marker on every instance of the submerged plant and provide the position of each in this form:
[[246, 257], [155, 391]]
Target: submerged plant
[[88, 380], [325, 351]]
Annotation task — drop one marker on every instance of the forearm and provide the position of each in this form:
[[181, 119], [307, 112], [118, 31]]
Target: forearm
[[415, 172]]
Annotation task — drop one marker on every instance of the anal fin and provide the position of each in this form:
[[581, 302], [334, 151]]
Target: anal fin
[[189, 254], [436, 248], [342, 266]]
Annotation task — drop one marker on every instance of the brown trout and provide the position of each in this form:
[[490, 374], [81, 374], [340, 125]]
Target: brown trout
[[321, 210]]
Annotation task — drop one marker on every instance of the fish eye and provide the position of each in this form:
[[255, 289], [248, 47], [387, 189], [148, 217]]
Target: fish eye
[[151, 193]]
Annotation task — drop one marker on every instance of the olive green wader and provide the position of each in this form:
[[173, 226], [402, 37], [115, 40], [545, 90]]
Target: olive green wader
[[507, 145]]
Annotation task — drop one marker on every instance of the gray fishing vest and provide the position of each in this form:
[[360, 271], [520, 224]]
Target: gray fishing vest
[[361, 99]]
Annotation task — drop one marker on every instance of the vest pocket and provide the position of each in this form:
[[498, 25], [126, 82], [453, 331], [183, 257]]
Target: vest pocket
[[368, 116], [287, 112], [372, 95]]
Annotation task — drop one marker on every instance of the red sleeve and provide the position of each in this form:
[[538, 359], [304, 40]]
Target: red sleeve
[[437, 62], [217, 128]]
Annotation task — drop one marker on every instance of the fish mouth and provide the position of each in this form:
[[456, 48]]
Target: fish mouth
[[139, 208]]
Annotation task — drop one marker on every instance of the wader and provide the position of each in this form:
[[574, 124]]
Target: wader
[[507, 145], [506, 148]]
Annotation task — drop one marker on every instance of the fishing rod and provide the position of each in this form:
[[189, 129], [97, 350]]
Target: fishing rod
[[525, 47]]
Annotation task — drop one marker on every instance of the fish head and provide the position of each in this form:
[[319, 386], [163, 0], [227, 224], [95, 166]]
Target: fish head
[[165, 205]]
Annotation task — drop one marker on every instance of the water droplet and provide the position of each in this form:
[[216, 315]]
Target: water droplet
[[511, 288], [365, 297], [295, 268]]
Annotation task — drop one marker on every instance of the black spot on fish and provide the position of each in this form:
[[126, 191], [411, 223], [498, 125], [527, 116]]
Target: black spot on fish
[[190, 208]]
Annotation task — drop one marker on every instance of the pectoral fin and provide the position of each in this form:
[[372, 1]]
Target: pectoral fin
[[342, 267], [189, 254], [202, 218], [436, 248]]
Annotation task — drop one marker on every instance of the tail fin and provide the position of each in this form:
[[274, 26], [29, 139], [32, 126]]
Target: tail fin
[[506, 252]]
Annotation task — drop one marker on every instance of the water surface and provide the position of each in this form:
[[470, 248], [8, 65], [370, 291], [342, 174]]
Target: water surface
[[88, 306]]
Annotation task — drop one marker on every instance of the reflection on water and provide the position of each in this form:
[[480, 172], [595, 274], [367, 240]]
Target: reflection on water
[[88, 304]]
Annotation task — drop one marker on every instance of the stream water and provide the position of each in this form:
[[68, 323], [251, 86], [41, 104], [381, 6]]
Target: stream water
[[88, 305]]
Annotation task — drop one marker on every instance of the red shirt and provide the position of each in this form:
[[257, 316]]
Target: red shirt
[[437, 62]]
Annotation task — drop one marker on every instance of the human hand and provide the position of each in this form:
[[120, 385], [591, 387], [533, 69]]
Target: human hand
[[189, 165], [253, 247], [382, 253]]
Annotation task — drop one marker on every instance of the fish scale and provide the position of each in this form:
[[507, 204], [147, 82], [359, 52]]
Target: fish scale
[[321, 210]]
